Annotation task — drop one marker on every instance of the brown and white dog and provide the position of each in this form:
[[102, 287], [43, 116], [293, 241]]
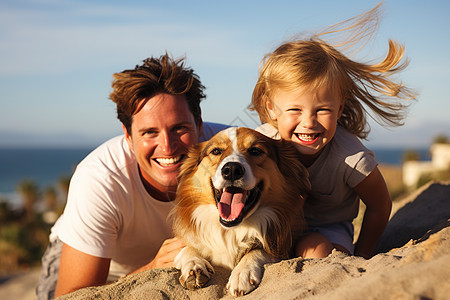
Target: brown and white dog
[[239, 198]]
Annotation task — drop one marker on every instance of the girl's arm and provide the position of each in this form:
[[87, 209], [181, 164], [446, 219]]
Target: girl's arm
[[375, 195]]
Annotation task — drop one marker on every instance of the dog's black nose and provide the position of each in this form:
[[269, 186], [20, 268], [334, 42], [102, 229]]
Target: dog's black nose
[[232, 171]]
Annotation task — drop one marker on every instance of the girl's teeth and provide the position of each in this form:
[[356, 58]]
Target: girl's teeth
[[168, 161], [307, 137]]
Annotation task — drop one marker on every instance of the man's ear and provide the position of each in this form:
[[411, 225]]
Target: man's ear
[[200, 127], [128, 137], [200, 124], [270, 108]]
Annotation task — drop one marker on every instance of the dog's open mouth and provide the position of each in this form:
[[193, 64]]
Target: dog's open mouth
[[234, 203]]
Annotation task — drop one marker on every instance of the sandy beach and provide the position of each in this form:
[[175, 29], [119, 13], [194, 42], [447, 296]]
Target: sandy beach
[[412, 263], [20, 286]]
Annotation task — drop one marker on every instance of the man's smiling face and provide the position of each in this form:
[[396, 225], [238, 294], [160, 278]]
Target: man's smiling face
[[161, 133]]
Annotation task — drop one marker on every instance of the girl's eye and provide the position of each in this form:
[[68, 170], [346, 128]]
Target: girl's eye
[[255, 151], [324, 110], [216, 151]]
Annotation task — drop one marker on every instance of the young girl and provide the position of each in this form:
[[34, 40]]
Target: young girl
[[308, 92]]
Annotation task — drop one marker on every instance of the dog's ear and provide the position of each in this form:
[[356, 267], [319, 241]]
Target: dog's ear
[[193, 159], [290, 166]]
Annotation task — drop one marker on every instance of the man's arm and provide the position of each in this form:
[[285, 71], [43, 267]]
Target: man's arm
[[78, 270]]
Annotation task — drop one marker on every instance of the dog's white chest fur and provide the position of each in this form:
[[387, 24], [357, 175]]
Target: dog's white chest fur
[[223, 246]]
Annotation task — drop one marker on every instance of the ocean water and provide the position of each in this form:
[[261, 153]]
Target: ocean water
[[43, 166], [46, 166], [395, 156]]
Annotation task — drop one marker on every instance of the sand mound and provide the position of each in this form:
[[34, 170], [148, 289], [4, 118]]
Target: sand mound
[[413, 263]]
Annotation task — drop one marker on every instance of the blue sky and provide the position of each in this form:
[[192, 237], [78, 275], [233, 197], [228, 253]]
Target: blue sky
[[57, 58]]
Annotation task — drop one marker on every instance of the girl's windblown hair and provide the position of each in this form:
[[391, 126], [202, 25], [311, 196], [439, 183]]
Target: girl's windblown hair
[[313, 62]]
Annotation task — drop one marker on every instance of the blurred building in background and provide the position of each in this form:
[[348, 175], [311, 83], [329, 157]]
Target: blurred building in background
[[416, 171]]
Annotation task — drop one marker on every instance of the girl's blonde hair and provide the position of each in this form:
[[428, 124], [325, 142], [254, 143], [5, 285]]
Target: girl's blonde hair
[[314, 63]]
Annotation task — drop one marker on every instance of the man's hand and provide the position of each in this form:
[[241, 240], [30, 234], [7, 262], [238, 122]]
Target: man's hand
[[165, 256]]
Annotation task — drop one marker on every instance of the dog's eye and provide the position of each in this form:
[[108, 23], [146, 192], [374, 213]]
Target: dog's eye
[[255, 151], [216, 151]]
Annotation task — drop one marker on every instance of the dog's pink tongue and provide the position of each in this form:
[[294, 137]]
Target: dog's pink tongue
[[231, 204]]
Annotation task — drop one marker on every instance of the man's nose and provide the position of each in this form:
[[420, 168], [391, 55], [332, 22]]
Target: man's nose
[[167, 142]]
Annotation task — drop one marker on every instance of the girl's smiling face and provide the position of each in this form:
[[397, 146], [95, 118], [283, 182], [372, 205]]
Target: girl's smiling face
[[306, 117]]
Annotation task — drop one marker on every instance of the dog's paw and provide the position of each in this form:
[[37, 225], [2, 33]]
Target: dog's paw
[[247, 275], [195, 271], [244, 279], [196, 279]]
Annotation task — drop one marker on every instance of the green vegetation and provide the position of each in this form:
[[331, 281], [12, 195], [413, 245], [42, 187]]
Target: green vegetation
[[441, 139], [442, 175], [24, 231], [411, 155], [22, 240]]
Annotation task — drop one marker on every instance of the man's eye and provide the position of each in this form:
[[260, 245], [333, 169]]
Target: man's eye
[[151, 132], [255, 151], [216, 151], [181, 128]]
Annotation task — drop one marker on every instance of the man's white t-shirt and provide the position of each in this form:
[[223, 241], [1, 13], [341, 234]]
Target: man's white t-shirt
[[110, 214]]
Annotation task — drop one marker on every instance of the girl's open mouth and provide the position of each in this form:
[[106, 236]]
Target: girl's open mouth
[[307, 138]]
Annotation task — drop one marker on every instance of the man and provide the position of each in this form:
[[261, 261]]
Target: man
[[115, 221]]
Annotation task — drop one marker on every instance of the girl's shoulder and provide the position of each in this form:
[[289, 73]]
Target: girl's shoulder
[[349, 159], [268, 130], [350, 151], [348, 143]]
